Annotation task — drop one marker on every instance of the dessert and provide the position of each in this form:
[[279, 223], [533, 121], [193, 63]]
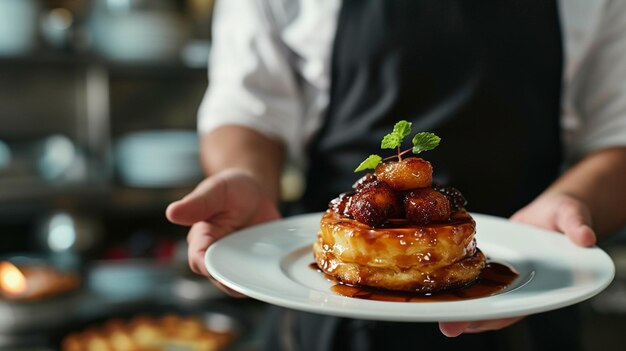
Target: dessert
[[168, 332], [397, 231]]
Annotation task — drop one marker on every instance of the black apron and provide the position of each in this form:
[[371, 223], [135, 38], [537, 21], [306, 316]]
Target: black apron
[[483, 75], [486, 77]]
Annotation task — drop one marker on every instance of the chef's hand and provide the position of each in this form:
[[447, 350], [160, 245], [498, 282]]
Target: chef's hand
[[225, 202], [552, 211]]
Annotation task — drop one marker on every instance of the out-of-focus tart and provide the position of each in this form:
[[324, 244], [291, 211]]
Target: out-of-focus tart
[[145, 333]]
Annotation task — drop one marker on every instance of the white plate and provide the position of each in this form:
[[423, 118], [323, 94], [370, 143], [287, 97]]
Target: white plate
[[270, 262]]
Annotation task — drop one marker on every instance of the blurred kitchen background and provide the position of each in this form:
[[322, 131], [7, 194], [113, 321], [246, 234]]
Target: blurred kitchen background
[[98, 105]]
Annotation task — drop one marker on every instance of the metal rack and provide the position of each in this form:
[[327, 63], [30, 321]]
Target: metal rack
[[91, 127]]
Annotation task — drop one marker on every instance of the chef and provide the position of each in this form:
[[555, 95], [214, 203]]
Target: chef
[[528, 96]]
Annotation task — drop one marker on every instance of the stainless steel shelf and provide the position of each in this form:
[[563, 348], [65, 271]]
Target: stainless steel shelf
[[24, 197]]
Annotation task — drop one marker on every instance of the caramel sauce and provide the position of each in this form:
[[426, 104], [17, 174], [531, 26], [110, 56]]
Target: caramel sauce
[[494, 278], [397, 241]]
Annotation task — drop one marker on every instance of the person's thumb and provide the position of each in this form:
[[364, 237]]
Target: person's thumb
[[199, 205], [573, 219]]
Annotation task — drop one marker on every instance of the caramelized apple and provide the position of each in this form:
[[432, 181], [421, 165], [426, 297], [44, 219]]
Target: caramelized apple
[[410, 173], [363, 181], [454, 196], [427, 205], [341, 204], [374, 203]]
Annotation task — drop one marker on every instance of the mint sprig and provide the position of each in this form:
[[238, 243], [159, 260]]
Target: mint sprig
[[422, 141]]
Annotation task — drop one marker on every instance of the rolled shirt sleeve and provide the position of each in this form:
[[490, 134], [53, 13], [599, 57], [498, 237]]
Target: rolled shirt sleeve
[[251, 81], [595, 96]]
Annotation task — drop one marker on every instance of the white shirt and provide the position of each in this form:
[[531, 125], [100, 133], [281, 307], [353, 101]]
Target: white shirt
[[270, 70]]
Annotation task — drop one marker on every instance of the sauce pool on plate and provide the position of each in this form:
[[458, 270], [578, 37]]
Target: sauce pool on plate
[[493, 279]]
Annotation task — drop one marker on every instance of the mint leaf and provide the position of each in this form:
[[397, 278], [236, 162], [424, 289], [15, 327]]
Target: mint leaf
[[402, 129], [370, 163], [396, 137], [390, 141], [425, 141]]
